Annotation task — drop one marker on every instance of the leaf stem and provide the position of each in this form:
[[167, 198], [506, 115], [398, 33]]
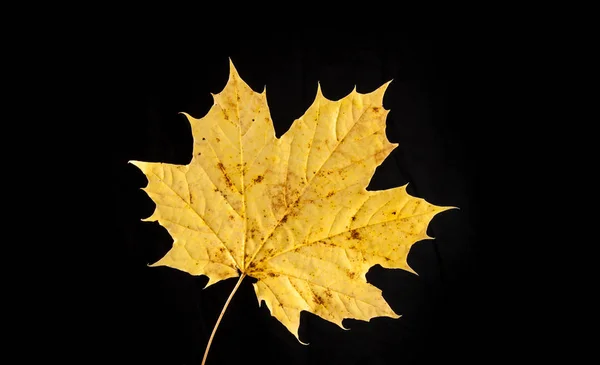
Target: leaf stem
[[212, 335]]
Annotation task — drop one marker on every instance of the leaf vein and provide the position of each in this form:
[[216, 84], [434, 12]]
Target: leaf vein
[[199, 216]]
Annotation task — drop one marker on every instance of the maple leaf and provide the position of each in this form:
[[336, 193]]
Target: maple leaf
[[292, 212]]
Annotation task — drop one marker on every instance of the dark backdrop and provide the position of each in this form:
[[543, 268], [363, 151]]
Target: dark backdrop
[[162, 316]]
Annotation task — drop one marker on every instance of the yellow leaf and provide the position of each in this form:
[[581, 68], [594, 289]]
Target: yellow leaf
[[292, 212]]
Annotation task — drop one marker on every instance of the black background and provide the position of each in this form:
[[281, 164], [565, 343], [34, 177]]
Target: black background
[[162, 316]]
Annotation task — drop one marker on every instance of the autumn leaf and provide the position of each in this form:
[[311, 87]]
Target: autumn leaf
[[292, 212]]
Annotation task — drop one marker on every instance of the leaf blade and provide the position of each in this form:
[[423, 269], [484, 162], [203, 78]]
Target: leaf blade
[[292, 212]]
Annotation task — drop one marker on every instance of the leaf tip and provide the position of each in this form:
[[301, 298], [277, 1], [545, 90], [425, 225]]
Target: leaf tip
[[440, 209], [211, 281], [232, 70], [160, 262], [139, 164], [410, 269], [319, 90], [385, 85], [379, 93]]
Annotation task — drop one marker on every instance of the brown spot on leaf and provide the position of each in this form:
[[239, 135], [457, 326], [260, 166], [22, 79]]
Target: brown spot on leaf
[[215, 189], [354, 234], [272, 275], [199, 153], [278, 198], [330, 243], [221, 249], [328, 293], [330, 194], [218, 139], [227, 180], [204, 139], [353, 219], [351, 274], [191, 198], [230, 217], [394, 212], [284, 219], [318, 299], [252, 266], [376, 109], [258, 179]]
